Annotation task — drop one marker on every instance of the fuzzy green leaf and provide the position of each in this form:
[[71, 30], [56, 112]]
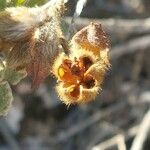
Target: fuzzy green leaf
[[13, 76], [5, 98]]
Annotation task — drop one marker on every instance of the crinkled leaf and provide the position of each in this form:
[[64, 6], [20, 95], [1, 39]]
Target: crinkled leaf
[[14, 76], [5, 98]]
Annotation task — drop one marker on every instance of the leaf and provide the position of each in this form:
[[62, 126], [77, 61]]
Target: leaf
[[14, 76], [6, 98], [2, 4], [35, 2], [38, 69], [20, 2]]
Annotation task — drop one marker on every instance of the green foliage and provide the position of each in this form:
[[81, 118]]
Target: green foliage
[[5, 97], [20, 2], [30, 3], [2, 4], [13, 76], [8, 76]]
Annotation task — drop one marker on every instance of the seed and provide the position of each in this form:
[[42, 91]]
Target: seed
[[61, 72]]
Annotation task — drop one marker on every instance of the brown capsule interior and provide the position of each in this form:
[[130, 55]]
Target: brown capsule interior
[[88, 82], [72, 72], [75, 92], [85, 62]]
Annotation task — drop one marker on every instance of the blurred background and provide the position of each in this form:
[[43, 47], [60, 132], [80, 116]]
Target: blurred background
[[119, 118]]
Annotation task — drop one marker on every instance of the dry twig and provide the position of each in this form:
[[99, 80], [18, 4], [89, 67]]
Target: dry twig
[[142, 133], [75, 129], [79, 7], [140, 43], [4, 129]]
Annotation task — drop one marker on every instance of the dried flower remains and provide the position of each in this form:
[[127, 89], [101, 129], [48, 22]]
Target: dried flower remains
[[30, 38], [81, 73]]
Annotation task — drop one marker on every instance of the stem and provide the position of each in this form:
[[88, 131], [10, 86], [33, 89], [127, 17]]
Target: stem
[[142, 133], [79, 7], [65, 46]]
